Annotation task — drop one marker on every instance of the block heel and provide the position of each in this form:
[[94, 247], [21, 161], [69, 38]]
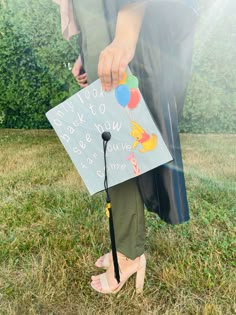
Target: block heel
[[140, 275]]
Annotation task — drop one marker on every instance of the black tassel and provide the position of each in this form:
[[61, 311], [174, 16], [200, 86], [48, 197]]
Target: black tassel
[[106, 136], [113, 242]]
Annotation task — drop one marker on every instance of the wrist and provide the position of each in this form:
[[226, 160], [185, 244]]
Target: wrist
[[129, 21], [124, 39]]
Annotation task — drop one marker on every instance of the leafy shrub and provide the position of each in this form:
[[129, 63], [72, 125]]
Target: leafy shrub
[[34, 74], [33, 66]]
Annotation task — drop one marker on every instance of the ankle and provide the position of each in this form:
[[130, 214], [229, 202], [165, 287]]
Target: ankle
[[125, 258]]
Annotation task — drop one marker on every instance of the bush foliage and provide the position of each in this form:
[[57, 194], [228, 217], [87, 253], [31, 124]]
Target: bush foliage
[[34, 75], [34, 72]]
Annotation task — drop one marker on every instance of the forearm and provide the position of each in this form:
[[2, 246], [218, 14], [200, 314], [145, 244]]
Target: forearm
[[129, 22], [115, 58]]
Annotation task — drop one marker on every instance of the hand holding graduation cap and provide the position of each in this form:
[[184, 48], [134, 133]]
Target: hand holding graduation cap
[[115, 58]]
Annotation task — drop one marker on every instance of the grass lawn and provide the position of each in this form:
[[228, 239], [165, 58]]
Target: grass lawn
[[52, 231]]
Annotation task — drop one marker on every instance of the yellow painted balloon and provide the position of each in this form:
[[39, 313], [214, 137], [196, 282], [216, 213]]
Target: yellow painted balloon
[[123, 80]]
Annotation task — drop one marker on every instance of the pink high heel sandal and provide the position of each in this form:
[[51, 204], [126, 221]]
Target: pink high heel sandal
[[139, 269]]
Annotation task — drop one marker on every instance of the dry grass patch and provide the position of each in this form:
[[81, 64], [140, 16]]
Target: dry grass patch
[[51, 233]]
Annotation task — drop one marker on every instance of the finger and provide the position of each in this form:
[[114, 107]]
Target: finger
[[100, 67], [77, 66], [106, 73], [82, 85], [81, 76], [104, 69], [115, 71], [81, 81], [122, 68]]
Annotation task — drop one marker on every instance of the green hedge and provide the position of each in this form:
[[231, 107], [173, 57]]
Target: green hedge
[[34, 72]]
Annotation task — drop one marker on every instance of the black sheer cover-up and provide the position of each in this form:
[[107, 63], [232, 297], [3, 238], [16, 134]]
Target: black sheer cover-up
[[162, 64]]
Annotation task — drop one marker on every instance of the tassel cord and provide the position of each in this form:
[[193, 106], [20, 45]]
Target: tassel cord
[[109, 213]]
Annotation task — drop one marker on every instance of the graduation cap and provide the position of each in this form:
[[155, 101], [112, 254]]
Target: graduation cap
[[136, 147]]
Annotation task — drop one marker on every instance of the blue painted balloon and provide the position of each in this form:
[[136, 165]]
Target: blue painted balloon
[[122, 93]]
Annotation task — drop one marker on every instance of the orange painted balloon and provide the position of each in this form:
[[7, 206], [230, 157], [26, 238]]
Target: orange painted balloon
[[134, 98]]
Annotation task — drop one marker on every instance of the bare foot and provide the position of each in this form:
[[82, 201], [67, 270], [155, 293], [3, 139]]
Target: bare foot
[[103, 261]]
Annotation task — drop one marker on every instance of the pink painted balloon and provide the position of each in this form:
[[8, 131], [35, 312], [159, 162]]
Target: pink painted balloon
[[134, 98]]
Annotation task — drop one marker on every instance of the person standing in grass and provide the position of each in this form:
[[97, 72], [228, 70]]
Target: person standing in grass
[[155, 38]]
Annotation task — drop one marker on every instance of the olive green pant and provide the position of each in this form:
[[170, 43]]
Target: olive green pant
[[128, 217], [127, 204]]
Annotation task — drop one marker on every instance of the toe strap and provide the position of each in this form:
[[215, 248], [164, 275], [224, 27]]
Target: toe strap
[[104, 282]]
